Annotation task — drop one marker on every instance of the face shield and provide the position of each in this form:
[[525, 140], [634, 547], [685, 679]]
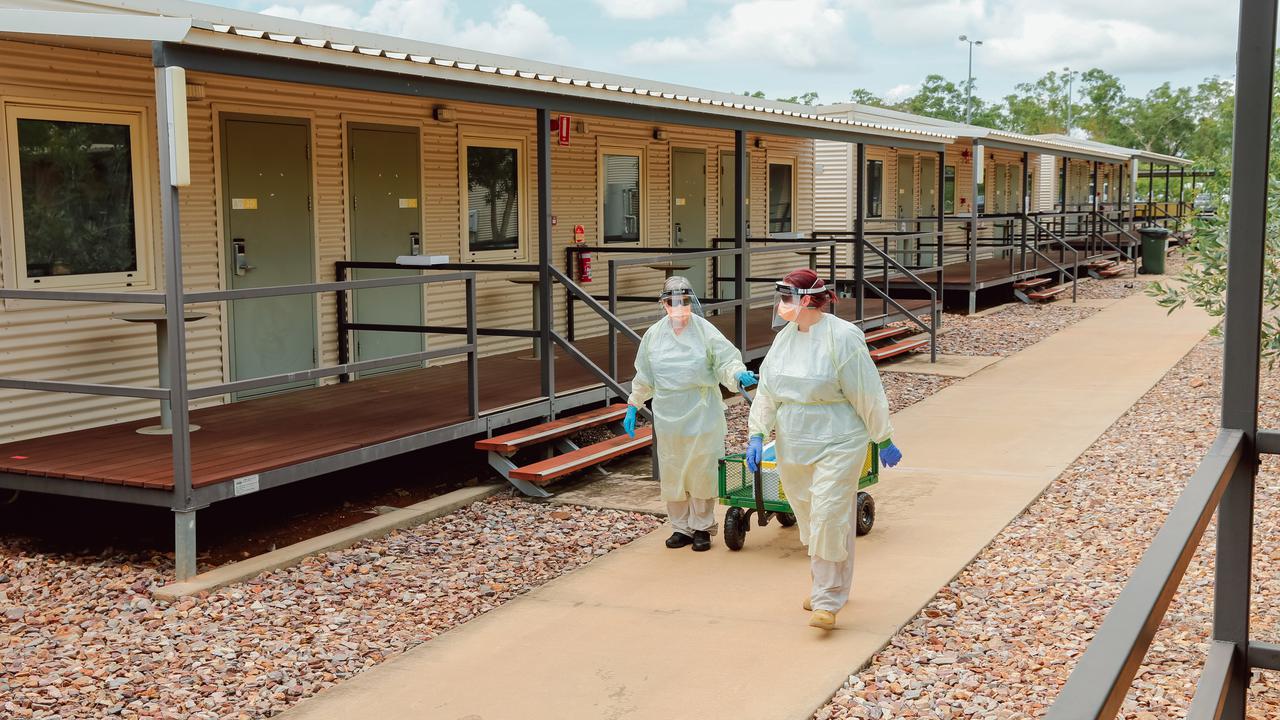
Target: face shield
[[789, 300], [680, 306]]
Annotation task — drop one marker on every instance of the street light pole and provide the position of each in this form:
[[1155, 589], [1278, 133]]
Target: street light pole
[[968, 88], [1071, 76]]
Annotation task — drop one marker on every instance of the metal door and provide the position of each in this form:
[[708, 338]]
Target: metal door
[[267, 184], [689, 211], [386, 222]]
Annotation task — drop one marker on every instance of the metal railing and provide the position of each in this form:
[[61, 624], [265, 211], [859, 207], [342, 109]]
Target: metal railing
[[1225, 480], [1074, 274]]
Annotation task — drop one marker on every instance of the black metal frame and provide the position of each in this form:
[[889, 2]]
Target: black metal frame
[[1224, 482]]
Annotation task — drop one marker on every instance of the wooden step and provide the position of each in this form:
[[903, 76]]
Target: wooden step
[[1111, 272], [541, 473], [1049, 294], [887, 333], [898, 348], [1031, 283], [508, 443], [1101, 264]]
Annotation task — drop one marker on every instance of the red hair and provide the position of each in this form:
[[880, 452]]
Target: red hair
[[806, 279]]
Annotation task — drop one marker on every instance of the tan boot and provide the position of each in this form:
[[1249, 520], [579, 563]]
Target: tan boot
[[807, 604], [823, 620]]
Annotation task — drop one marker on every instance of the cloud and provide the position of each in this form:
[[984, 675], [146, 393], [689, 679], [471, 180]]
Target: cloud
[[512, 29], [797, 34], [900, 92], [634, 10]]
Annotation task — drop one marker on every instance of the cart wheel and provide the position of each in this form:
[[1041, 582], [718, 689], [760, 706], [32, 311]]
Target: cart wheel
[[866, 513], [735, 528], [786, 519]]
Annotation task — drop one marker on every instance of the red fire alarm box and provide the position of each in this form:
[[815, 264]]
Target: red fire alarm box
[[564, 130]]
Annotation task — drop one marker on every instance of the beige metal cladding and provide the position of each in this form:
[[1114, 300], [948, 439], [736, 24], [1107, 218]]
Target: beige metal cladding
[[82, 342]]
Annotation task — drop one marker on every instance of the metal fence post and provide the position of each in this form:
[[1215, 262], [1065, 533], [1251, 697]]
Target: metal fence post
[[545, 309], [1249, 183], [175, 312], [979, 168], [740, 238], [859, 233]]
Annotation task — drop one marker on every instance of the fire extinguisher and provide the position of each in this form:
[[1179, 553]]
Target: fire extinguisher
[[584, 258]]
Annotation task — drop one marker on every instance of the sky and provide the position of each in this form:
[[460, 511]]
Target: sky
[[788, 47]]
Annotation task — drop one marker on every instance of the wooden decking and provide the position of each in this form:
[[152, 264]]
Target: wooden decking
[[263, 434]]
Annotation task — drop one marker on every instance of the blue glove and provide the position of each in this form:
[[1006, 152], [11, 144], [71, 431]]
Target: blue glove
[[629, 422], [890, 455], [746, 379], [755, 452]]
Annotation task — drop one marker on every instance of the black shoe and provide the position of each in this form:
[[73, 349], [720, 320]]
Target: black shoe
[[678, 540], [701, 540]]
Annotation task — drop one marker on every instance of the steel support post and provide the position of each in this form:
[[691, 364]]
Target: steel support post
[[185, 538], [545, 310], [741, 289], [1249, 184], [1022, 203], [1132, 167], [941, 260], [859, 232], [979, 168]]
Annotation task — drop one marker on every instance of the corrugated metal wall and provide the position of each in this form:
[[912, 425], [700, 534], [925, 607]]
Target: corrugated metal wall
[[73, 342]]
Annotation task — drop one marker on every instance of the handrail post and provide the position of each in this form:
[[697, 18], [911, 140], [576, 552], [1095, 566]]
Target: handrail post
[[979, 168], [473, 356], [175, 312], [1249, 184], [568, 296], [546, 310], [859, 234], [344, 337], [940, 261], [740, 239], [613, 310]]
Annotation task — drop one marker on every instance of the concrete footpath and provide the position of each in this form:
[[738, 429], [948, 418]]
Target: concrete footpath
[[647, 632]]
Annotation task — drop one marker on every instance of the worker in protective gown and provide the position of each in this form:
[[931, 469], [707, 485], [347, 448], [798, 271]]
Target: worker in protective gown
[[680, 364], [821, 393]]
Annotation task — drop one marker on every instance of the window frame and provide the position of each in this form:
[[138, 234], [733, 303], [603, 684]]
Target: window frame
[[878, 188], [143, 178], [488, 138], [782, 161], [640, 152]]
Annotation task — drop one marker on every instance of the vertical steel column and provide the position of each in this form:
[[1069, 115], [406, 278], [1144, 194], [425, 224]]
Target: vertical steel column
[[184, 529], [1249, 183], [1022, 203], [545, 310], [1166, 189], [1182, 185], [1133, 194], [1151, 186], [473, 357], [978, 163], [940, 261], [741, 291], [1093, 203], [1065, 162], [859, 232]]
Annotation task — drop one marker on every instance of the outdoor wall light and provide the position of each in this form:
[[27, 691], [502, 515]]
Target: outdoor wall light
[[659, 134], [760, 143], [581, 128], [444, 114]]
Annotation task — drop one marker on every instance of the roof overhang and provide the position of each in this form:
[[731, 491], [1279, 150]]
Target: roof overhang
[[291, 59], [111, 26]]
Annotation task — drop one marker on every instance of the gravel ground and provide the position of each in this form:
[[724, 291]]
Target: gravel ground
[[1008, 330], [80, 637], [999, 641], [902, 390]]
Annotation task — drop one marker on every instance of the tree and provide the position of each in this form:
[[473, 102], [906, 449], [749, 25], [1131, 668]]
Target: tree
[[863, 96], [1102, 114], [1038, 107], [1162, 121], [809, 98]]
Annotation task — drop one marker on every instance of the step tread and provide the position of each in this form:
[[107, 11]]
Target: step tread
[[898, 348], [528, 437], [547, 470], [1032, 283], [1047, 294], [885, 333], [1112, 272], [1102, 264]]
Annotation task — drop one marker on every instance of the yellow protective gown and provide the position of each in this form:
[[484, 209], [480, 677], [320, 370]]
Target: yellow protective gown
[[680, 372], [823, 394]]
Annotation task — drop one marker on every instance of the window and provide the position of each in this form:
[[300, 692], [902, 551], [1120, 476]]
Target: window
[[949, 189], [781, 192], [80, 209], [493, 196], [621, 204], [875, 188]]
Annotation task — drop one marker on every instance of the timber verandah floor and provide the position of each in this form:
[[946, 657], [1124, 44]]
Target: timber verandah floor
[[263, 434], [1002, 271]]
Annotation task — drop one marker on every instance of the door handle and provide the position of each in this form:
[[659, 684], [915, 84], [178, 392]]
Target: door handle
[[241, 257], [679, 235], [415, 243]]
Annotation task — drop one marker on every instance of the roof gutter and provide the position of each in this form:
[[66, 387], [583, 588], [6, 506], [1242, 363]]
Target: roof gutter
[[114, 26]]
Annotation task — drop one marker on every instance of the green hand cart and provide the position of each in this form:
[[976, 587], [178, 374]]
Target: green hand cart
[[761, 493]]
